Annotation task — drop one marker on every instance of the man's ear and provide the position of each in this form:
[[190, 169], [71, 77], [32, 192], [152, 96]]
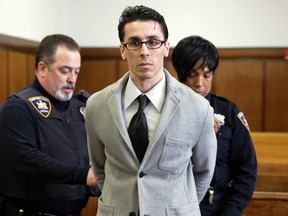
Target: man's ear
[[122, 51], [41, 68], [167, 45]]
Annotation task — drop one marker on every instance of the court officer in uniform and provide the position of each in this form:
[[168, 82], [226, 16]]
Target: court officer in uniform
[[44, 163], [195, 60]]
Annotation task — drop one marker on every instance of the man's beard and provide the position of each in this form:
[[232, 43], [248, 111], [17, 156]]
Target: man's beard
[[63, 96]]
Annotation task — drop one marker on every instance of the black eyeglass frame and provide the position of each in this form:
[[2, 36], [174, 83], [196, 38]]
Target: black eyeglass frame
[[144, 42]]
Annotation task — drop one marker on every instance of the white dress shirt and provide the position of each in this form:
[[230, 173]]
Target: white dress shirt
[[152, 111]]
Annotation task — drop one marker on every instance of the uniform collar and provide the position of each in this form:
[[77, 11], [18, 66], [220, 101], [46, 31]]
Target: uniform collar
[[62, 105]]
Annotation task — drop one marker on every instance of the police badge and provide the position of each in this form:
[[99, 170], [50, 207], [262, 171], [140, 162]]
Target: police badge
[[243, 120], [41, 104]]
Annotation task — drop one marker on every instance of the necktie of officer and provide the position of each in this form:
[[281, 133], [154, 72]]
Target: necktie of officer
[[138, 130]]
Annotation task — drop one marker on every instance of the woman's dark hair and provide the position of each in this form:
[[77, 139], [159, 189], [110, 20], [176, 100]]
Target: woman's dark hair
[[191, 50], [48, 46], [142, 13]]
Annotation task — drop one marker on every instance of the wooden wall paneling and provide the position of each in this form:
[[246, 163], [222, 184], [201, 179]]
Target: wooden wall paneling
[[240, 78], [276, 96], [122, 68], [241, 81], [169, 66], [243, 85], [96, 75], [3, 76], [31, 68], [17, 71]]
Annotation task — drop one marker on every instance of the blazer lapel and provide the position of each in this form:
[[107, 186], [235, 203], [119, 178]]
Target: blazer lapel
[[114, 104], [170, 106]]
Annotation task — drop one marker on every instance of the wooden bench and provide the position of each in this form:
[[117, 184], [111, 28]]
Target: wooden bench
[[267, 204], [91, 207], [272, 155], [271, 192]]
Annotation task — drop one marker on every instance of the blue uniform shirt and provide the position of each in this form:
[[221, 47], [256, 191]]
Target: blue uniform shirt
[[236, 162]]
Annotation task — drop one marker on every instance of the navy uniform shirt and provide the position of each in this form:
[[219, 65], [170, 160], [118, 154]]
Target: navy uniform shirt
[[236, 161], [43, 152]]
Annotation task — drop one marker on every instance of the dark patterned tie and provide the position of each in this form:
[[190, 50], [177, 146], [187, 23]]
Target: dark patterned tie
[[138, 130]]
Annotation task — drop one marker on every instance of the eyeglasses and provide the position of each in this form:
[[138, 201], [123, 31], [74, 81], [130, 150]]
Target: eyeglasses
[[151, 44]]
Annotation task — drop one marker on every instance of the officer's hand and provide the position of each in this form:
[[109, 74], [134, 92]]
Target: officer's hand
[[91, 180], [217, 125]]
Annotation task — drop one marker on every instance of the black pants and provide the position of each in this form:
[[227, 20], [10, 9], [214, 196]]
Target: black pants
[[9, 210]]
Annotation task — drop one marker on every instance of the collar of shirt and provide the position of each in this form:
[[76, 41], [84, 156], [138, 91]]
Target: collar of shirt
[[156, 95]]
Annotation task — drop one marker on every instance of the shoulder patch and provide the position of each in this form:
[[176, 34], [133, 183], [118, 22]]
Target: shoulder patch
[[82, 111], [42, 105], [243, 120]]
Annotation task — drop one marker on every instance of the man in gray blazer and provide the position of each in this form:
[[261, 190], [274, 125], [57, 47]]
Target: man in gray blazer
[[178, 164]]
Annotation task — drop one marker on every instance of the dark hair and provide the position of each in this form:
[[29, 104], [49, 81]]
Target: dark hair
[[189, 51], [48, 46], [142, 13]]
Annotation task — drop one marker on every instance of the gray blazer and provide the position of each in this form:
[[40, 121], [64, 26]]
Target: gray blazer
[[179, 162]]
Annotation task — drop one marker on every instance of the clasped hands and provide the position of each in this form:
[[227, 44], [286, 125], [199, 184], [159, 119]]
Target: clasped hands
[[91, 180]]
